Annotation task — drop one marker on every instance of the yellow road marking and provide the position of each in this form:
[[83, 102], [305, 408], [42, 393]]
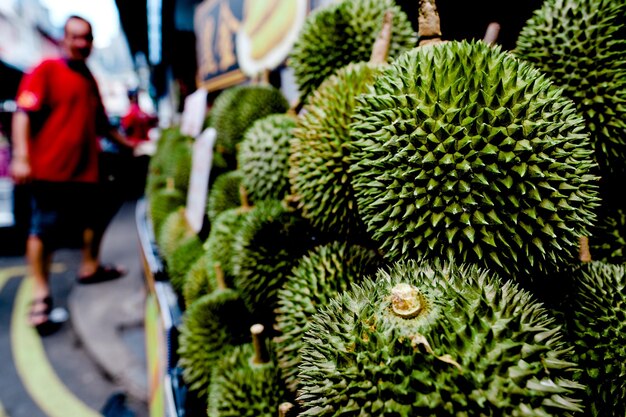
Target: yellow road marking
[[7, 273], [36, 373], [18, 271]]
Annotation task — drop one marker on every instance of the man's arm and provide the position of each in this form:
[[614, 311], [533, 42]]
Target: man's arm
[[120, 139], [20, 158]]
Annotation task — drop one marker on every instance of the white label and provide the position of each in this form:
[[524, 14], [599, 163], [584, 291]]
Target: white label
[[202, 159]]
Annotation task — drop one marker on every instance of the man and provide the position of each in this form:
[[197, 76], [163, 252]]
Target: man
[[136, 123], [55, 150]]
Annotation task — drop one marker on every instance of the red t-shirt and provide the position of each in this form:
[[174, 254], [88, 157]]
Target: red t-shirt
[[66, 115], [136, 123]]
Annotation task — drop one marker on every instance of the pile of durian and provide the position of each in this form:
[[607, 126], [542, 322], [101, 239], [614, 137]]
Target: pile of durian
[[436, 228]]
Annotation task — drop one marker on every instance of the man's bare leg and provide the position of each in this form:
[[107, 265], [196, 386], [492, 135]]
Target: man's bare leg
[[39, 260]]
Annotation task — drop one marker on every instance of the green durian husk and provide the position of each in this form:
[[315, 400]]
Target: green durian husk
[[266, 247], [168, 139], [180, 260], [341, 33], [221, 240], [240, 387], [596, 312], [460, 343], [211, 326], [162, 204], [200, 279], [236, 108], [224, 194], [175, 229], [321, 274], [581, 46], [263, 157], [465, 153], [319, 178]]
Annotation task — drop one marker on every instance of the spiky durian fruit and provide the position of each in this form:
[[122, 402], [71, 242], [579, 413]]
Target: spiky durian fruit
[[341, 33], [263, 157], [199, 280], [185, 253], [220, 241], [597, 326], [169, 138], [464, 152], [175, 229], [211, 326], [224, 194], [161, 203], [581, 46], [242, 384], [321, 274], [268, 244], [433, 339], [318, 176], [236, 108]]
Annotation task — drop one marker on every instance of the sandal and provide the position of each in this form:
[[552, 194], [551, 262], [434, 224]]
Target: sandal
[[102, 274], [48, 325]]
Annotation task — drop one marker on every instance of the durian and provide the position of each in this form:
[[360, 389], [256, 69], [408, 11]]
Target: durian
[[433, 339], [266, 247], [321, 274], [581, 46], [212, 325], [224, 194], [341, 33], [246, 382], [236, 108], [597, 323], [263, 157], [220, 242], [198, 280], [175, 229], [178, 262], [466, 153], [318, 175], [161, 203]]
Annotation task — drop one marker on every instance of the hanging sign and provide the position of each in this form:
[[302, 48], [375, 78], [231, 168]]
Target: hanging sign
[[237, 39]]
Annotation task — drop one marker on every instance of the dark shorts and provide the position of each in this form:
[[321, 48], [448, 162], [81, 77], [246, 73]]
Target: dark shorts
[[61, 212]]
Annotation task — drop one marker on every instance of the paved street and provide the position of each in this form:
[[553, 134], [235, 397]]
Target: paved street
[[99, 352]]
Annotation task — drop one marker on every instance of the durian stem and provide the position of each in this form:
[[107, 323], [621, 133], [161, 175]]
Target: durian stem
[[429, 27], [380, 50], [286, 409], [219, 276], [261, 355], [406, 301], [491, 34], [584, 253], [243, 196], [169, 184]]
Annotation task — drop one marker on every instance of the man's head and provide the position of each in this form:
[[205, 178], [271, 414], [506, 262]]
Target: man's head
[[77, 38]]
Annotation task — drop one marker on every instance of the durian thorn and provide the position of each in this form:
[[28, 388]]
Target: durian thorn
[[419, 339], [491, 34], [219, 276], [286, 409], [584, 253], [261, 355], [406, 301], [380, 50], [169, 184], [429, 27]]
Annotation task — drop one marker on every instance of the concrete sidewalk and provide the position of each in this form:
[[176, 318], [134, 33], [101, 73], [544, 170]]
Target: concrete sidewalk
[[109, 317]]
